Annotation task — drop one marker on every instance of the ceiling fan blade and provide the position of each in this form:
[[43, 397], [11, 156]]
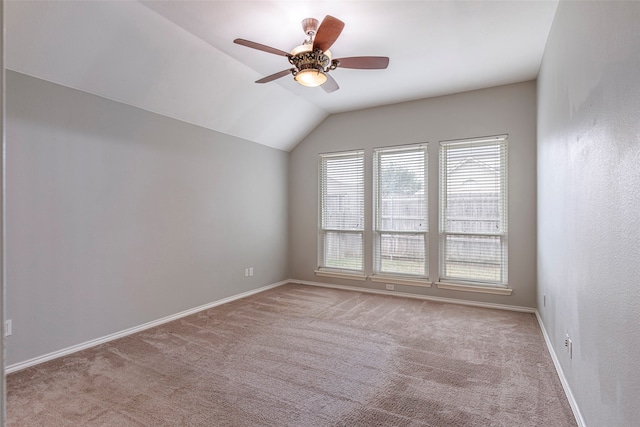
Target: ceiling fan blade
[[330, 85], [275, 76], [328, 32], [364, 62], [261, 47]]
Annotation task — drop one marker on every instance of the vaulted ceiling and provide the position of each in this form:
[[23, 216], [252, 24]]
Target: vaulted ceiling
[[177, 58]]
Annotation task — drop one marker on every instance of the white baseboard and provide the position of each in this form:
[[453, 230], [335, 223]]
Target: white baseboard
[[66, 351], [418, 296], [563, 379]]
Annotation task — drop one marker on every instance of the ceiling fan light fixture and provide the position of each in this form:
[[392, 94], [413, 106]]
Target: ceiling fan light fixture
[[311, 65], [303, 48], [307, 47], [310, 77]]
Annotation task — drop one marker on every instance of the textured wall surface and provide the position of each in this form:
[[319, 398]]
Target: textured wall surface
[[589, 204], [501, 110], [117, 216]]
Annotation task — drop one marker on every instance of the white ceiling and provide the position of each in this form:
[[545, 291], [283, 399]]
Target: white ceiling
[[177, 58]]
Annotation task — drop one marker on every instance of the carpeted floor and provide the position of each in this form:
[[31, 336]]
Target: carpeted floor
[[306, 356]]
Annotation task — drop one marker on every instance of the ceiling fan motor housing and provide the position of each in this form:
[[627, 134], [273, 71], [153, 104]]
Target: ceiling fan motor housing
[[311, 60]]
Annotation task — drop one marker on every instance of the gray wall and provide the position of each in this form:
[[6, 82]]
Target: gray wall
[[589, 204], [117, 216], [507, 109]]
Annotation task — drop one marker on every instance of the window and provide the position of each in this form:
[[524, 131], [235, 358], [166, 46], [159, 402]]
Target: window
[[400, 211], [341, 222], [473, 210]]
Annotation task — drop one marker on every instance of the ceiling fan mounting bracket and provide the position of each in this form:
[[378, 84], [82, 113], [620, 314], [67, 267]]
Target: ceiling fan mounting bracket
[[310, 28]]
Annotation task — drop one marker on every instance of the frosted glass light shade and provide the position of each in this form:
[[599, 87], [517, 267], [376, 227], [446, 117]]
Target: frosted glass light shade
[[310, 78]]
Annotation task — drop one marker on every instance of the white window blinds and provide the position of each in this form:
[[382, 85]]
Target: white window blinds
[[342, 211], [473, 201], [401, 211]]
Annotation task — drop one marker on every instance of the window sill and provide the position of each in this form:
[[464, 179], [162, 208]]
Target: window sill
[[474, 288], [401, 281], [341, 275]]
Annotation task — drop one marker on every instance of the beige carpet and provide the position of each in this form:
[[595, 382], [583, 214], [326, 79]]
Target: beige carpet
[[306, 356]]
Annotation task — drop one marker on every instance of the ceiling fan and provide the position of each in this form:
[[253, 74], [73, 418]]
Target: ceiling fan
[[312, 60]]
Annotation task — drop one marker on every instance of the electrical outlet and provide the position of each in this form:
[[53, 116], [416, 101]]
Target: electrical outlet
[[250, 271], [246, 272], [569, 345], [8, 327], [390, 287]]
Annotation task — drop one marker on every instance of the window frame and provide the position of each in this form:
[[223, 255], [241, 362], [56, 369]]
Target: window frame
[[501, 142], [379, 231], [324, 268]]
